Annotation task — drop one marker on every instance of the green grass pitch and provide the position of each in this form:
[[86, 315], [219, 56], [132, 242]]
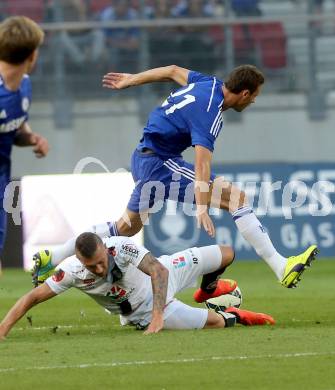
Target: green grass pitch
[[73, 344]]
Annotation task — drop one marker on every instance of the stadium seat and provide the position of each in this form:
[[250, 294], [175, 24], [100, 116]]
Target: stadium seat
[[96, 6], [34, 9], [271, 40]]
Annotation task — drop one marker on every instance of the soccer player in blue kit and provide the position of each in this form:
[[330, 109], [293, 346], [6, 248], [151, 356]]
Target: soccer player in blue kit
[[191, 116], [20, 39]]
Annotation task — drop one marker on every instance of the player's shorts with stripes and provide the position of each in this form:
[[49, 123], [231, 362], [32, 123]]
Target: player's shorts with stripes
[[157, 180]]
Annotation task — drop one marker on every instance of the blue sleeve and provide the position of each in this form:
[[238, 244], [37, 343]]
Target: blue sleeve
[[194, 77], [204, 120]]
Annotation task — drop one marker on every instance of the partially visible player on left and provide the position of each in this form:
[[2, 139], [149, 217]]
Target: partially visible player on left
[[20, 39]]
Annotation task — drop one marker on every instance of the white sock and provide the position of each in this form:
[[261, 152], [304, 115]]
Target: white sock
[[252, 231], [61, 252]]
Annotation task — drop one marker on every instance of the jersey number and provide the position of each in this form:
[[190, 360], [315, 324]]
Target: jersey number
[[187, 100]]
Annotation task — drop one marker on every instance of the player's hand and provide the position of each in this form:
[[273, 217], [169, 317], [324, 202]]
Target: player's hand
[[2, 334], [156, 324], [116, 80], [204, 220], [41, 145]]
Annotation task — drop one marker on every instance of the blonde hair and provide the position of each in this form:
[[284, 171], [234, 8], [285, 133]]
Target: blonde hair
[[19, 38]]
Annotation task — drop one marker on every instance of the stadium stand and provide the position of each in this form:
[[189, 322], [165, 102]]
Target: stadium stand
[[279, 47]]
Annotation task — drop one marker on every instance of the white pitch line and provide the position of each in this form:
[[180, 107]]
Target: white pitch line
[[173, 361], [64, 327], [112, 326], [314, 321]]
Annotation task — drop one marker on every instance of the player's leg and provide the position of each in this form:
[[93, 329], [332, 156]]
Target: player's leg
[[183, 316], [187, 266], [232, 316], [186, 317], [155, 181], [228, 197], [130, 223], [218, 257], [224, 195]]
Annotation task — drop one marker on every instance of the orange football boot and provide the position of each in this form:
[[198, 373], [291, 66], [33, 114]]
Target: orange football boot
[[224, 286], [249, 318]]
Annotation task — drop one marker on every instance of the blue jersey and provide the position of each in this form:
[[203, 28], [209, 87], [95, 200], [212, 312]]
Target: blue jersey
[[14, 107], [190, 116]]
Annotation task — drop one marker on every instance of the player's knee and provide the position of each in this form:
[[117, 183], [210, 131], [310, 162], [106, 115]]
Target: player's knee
[[243, 199], [228, 255], [237, 199], [128, 229], [231, 197]]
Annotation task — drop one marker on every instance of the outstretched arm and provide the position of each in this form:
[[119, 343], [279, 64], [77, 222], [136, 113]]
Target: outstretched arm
[[25, 303], [159, 280], [167, 73]]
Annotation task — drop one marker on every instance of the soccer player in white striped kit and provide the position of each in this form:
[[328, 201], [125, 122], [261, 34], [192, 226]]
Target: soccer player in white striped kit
[[126, 278]]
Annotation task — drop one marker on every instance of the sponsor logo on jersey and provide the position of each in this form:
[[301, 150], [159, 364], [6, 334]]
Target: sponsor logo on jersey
[[25, 104], [12, 125], [58, 276], [89, 284], [130, 250], [118, 294], [89, 281], [179, 263]]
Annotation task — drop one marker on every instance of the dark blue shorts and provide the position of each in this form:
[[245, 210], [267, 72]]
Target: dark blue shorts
[[157, 180]]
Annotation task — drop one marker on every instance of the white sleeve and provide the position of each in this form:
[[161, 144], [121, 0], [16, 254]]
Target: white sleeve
[[128, 252], [60, 281]]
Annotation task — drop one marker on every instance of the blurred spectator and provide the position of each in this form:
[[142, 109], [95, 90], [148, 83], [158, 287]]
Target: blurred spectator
[[122, 43], [245, 45], [319, 9], [193, 9], [246, 7], [96, 6], [196, 46], [164, 40], [79, 46]]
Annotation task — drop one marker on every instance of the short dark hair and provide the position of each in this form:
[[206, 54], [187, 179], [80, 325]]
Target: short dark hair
[[19, 38], [244, 77], [87, 243]]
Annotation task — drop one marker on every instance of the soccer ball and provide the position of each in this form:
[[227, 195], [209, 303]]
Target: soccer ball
[[222, 302]]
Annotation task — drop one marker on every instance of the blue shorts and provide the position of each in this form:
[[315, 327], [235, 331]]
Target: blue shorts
[[157, 180]]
